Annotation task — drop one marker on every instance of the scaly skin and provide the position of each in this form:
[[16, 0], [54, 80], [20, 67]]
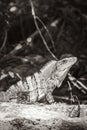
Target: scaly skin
[[40, 85]]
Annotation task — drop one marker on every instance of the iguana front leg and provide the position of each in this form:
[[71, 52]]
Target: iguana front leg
[[49, 98]]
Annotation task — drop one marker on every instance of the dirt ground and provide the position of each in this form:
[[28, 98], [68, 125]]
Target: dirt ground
[[15, 116]]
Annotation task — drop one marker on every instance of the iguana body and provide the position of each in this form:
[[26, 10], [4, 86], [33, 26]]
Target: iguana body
[[40, 85]]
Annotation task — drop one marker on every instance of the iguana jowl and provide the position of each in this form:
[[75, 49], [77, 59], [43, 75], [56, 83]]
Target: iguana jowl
[[40, 85]]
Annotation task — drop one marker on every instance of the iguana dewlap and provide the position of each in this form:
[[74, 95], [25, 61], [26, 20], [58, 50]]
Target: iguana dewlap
[[40, 85]]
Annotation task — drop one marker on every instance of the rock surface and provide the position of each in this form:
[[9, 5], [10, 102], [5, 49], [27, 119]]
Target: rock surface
[[15, 116]]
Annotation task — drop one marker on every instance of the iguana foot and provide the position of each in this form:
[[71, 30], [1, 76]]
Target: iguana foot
[[50, 98]]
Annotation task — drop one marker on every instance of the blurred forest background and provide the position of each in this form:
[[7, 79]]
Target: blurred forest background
[[22, 50]]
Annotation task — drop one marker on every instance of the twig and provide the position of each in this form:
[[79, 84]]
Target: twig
[[47, 32], [28, 40], [82, 85], [75, 82], [75, 112], [61, 30], [32, 36], [70, 90], [4, 42], [35, 21]]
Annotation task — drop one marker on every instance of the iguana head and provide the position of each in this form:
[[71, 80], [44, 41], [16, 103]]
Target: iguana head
[[62, 68], [66, 63]]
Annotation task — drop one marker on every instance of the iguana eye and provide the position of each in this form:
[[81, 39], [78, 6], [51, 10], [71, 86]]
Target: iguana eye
[[64, 61]]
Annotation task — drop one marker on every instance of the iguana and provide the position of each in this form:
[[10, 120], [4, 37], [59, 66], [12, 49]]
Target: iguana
[[40, 85]]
